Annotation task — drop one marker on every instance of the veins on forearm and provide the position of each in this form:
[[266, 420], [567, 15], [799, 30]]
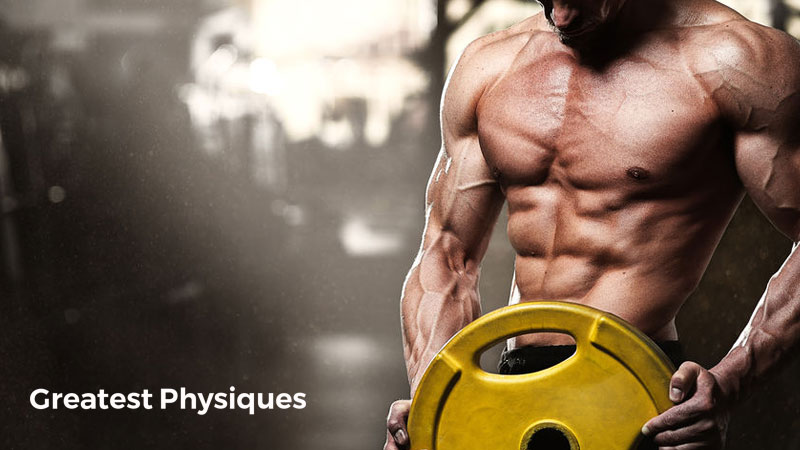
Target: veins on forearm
[[772, 332], [435, 307]]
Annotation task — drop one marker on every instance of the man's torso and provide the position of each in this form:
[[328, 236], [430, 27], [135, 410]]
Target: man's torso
[[620, 179]]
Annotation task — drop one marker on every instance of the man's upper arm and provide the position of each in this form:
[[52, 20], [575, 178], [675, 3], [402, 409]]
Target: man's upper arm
[[463, 198], [759, 91]]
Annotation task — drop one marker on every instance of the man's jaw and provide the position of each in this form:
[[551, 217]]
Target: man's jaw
[[568, 22], [577, 34]]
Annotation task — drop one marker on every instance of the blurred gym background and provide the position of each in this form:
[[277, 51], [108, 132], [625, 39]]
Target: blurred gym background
[[206, 193]]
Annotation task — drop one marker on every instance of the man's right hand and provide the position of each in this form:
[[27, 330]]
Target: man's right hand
[[396, 432]]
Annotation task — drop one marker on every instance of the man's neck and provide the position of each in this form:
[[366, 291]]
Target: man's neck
[[624, 31]]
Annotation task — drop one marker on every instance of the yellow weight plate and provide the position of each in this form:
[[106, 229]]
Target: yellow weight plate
[[599, 398]]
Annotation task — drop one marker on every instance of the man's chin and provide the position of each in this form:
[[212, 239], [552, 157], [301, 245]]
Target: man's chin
[[572, 40], [583, 38]]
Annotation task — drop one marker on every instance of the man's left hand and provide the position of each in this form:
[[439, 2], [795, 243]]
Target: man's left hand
[[699, 419]]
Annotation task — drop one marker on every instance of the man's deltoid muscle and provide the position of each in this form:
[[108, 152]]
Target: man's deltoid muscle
[[623, 135]]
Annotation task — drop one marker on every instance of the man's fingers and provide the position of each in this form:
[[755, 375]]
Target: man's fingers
[[674, 417], [396, 424], [401, 437], [694, 422], [683, 380], [398, 416], [699, 405], [692, 446], [390, 443], [701, 431]]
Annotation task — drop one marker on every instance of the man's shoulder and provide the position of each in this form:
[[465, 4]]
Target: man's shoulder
[[743, 65], [509, 40], [729, 41], [489, 55], [482, 62]]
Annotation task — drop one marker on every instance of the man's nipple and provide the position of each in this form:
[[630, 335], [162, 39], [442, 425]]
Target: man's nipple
[[637, 173]]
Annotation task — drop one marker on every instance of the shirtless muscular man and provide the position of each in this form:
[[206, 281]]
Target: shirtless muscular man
[[623, 134]]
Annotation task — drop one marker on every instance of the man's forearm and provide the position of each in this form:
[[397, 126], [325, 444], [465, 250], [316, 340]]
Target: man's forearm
[[772, 334], [438, 300]]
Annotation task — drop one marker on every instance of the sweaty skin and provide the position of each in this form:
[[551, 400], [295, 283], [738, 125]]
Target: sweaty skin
[[623, 135]]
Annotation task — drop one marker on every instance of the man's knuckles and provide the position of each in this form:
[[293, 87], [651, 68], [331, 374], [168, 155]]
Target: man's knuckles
[[705, 405], [704, 401], [689, 371], [393, 424], [400, 405], [686, 377], [706, 380], [398, 412]]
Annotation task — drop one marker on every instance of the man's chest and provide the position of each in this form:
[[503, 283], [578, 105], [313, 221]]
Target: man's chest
[[632, 120]]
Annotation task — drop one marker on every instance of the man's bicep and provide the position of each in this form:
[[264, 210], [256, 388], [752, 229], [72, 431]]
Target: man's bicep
[[764, 105], [463, 197], [769, 167]]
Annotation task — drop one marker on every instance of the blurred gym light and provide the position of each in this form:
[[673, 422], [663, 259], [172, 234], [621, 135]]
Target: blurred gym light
[[491, 15], [308, 60], [350, 351], [264, 77], [757, 11], [360, 238], [284, 31], [221, 60], [457, 8]]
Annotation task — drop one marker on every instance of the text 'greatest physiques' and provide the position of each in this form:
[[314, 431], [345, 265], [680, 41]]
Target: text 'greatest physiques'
[[176, 398]]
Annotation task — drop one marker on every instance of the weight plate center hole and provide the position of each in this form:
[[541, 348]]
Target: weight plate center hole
[[549, 439]]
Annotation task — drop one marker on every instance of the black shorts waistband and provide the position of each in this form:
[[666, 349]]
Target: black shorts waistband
[[533, 359]]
